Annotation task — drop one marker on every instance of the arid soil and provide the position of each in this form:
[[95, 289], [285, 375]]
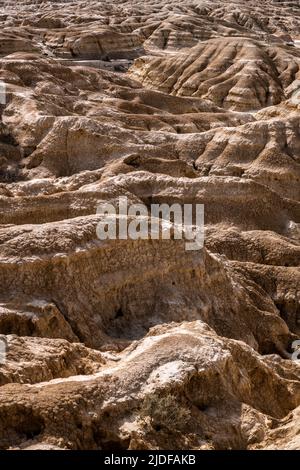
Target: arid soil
[[140, 344]]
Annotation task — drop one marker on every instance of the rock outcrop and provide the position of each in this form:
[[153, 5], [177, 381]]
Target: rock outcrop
[[107, 341]]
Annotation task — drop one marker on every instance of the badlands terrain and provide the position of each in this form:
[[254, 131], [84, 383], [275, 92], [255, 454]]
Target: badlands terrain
[[140, 344]]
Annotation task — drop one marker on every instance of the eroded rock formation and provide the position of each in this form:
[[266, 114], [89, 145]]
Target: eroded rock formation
[[196, 102]]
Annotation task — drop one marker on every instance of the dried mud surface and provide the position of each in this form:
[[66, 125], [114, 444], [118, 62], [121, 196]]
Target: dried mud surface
[[162, 102]]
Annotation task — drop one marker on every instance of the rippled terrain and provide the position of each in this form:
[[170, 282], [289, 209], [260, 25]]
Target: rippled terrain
[[140, 344]]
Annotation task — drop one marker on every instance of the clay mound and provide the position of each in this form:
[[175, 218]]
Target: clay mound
[[141, 344], [109, 44], [237, 74], [213, 375], [11, 42], [43, 360]]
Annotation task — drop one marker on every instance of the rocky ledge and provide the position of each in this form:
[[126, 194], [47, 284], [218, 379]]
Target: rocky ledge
[[140, 344]]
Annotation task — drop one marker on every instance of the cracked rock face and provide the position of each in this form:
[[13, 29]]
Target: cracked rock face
[[107, 342]]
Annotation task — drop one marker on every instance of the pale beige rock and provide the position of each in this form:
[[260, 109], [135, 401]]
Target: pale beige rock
[[161, 102]]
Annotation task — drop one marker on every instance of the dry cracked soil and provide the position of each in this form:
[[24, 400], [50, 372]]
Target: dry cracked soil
[[140, 344]]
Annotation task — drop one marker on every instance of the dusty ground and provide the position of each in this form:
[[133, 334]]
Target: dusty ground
[[140, 344]]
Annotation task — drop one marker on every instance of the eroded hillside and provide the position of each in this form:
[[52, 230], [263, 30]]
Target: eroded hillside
[[162, 102]]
